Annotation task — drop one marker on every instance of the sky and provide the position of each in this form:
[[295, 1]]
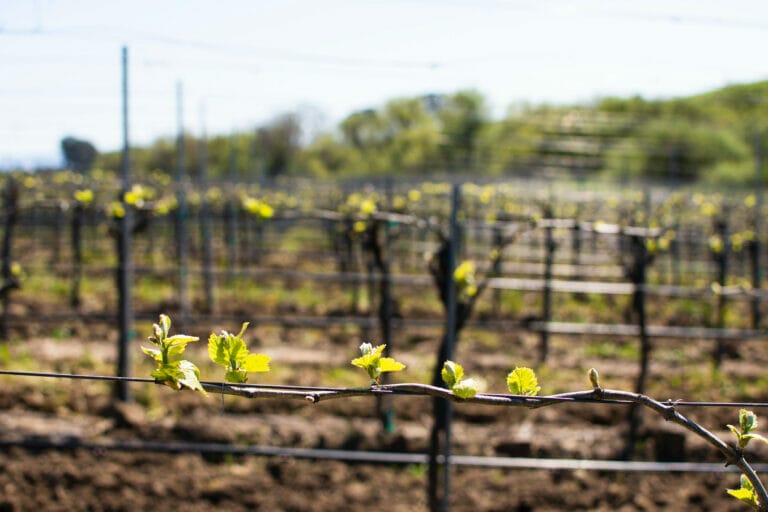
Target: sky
[[240, 63]]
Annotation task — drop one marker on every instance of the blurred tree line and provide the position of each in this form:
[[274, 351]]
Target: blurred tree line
[[708, 137]]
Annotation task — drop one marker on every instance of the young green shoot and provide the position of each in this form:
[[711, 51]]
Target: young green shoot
[[745, 493], [744, 433], [522, 381], [465, 279], [172, 371], [453, 376], [594, 378], [372, 362], [229, 350]]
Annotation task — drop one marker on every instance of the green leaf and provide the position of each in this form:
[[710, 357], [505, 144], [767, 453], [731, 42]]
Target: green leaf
[[372, 362], [366, 361], [370, 356], [165, 324], [175, 350], [747, 421], [256, 363], [387, 364], [467, 388], [178, 375], [153, 353], [238, 352], [217, 349], [180, 340], [191, 376], [451, 373], [522, 381], [236, 376], [171, 371], [745, 493], [230, 351], [756, 437], [167, 375]]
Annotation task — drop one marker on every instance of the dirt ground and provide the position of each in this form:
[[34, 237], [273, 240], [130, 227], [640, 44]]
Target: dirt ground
[[81, 417], [34, 479]]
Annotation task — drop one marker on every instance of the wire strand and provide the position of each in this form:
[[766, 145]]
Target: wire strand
[[376, 390]]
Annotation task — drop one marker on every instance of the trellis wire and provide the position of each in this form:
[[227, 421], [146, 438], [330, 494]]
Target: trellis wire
[[391, 390], [374, 457]]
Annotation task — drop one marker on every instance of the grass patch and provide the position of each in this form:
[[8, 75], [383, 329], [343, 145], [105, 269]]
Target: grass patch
[[612, 349]]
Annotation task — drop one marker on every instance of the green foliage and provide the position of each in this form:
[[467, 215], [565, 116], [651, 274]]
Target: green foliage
[[706, 137], [372, 362], [745, 493], [744, 432], [522, 381], [278, 145], [453, 376], [229, 350], [594, 378], [465, 279], [172, 371]]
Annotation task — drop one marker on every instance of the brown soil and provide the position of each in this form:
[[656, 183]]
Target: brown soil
[[95, 479]]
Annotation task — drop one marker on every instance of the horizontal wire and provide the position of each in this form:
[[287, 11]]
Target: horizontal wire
[[375, 457], [380, 391]]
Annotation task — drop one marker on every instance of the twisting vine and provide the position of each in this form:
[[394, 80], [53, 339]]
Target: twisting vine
[[229, 351]]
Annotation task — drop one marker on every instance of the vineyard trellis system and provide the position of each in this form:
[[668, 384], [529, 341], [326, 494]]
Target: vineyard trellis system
[[668, 410], [373, 245]]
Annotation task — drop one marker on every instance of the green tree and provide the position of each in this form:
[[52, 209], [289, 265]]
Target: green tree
[[278, 144], [462, 118], [79, 155]]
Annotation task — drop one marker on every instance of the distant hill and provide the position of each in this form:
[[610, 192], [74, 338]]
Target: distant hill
[[708, 137]]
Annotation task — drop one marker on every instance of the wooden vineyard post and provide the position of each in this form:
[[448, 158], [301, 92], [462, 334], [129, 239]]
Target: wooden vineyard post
[[58, 229], [497, 268], [674, 255], [576, 242], [77, 254], [440, 436], [755, 244], [124, 265], [546, 301], [10, 281], [638, 276], [231, 212], [182, 241], [205, 227], [720, 255], [381, 253]]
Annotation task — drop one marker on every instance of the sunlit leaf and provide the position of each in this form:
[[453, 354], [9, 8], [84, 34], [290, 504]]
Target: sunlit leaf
[[170, 370], [747, 421], [522, 381], [387, 364], [216, 350], [236, 376], [746, 493], [756, 437], [466, 388], [451, 373], [153, 353], [230, 351], [372, 362], [191, 376], [257, 363], [365, 361]]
